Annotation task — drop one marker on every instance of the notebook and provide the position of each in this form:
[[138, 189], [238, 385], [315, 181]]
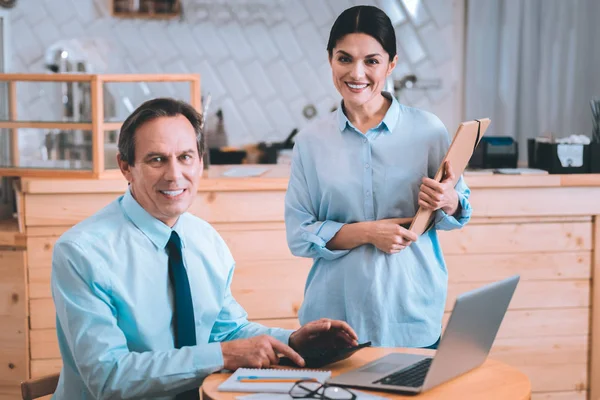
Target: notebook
[[465, 140], [269, 380]]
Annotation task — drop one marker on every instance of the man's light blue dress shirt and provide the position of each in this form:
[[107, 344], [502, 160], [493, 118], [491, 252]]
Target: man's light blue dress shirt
[[341, 176], [114, 305]]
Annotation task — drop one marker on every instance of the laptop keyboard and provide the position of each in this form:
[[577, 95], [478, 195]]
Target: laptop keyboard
[[412, 376]]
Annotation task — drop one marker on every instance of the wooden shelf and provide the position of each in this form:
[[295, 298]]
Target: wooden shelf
[[10, 235], [45, 125], [140, 15], [112, 126], [148, 9], [97, 126]]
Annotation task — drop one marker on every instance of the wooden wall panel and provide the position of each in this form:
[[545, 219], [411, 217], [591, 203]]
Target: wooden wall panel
[[530, 201], [564, 358], [536, 294], [14, 344], [12, 285], [236, 207], [518, 238], [557, 378], [541, 322], [42, 314], [14, 367], [39, 283], [44, 344], [257, 245], [45, 367], [531, 266], [61, 210], [543, 350], [39, 251], [281, 281]]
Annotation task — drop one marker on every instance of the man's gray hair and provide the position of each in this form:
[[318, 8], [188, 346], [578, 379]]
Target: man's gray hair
[[152, 109]]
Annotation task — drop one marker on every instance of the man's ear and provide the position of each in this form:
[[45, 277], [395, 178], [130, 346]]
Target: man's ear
[[125, 168]]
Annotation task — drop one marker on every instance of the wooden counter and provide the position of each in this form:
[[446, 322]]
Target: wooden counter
[[546, 228]]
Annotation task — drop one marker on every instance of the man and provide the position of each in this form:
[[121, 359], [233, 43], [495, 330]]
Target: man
[[142, 288]]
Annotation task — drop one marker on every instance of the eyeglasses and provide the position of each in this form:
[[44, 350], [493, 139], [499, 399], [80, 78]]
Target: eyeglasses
[[323, 391]]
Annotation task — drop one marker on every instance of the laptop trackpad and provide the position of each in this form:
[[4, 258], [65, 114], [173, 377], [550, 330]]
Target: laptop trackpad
[[380, 367]]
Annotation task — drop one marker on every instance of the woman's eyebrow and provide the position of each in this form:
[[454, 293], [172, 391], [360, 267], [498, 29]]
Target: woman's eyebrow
[[344, 53]]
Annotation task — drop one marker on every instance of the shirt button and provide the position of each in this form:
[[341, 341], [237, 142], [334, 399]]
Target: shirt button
[[364, 140], [366, 166], [368, 193]]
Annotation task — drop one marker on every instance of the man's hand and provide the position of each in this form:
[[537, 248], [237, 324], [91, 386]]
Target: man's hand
[[323, 333], [256, 352], [435, 195], [388, 236]]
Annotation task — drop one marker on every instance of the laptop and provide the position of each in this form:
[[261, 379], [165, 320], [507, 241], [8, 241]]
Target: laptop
[[465, 345]]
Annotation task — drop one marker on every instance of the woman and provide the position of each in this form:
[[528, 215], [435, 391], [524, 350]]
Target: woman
[[355, 175]]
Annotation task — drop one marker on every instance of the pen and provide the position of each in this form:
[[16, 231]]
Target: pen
[[272, 379]]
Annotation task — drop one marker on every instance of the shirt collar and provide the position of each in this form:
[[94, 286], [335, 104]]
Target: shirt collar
[[389, 120], [155, 230]]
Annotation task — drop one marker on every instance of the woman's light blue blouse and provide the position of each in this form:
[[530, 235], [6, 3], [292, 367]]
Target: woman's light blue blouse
[[340, 176]]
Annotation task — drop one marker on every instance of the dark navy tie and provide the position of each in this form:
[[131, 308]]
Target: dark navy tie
[[185, 326]]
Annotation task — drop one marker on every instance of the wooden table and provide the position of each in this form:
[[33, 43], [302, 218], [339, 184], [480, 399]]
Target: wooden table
[[493, 380]]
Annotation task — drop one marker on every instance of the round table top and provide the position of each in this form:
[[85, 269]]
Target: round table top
[[492, 380]]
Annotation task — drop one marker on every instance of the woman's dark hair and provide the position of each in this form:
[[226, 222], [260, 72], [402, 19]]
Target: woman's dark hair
[[369, 20], [152, 109]]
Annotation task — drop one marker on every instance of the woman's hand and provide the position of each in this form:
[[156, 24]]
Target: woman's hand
[[323, 334], [435, 195], [388, 236]]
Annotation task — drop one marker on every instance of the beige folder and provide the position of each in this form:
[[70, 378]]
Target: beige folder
[[466, 139]]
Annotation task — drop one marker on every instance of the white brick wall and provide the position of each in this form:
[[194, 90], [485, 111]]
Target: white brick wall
[[261, 64]]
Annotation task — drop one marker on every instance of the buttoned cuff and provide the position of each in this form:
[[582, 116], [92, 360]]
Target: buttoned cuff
[[283, 335], [208, 358], [447, 222], [324, 234]]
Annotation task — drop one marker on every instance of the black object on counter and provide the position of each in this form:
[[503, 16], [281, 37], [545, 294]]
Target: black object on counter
[[495, 152], [595, 158], [270, 151], [220, 157], [545, 156]]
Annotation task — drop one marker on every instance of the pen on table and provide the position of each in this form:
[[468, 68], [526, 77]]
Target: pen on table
[[272, 379]]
